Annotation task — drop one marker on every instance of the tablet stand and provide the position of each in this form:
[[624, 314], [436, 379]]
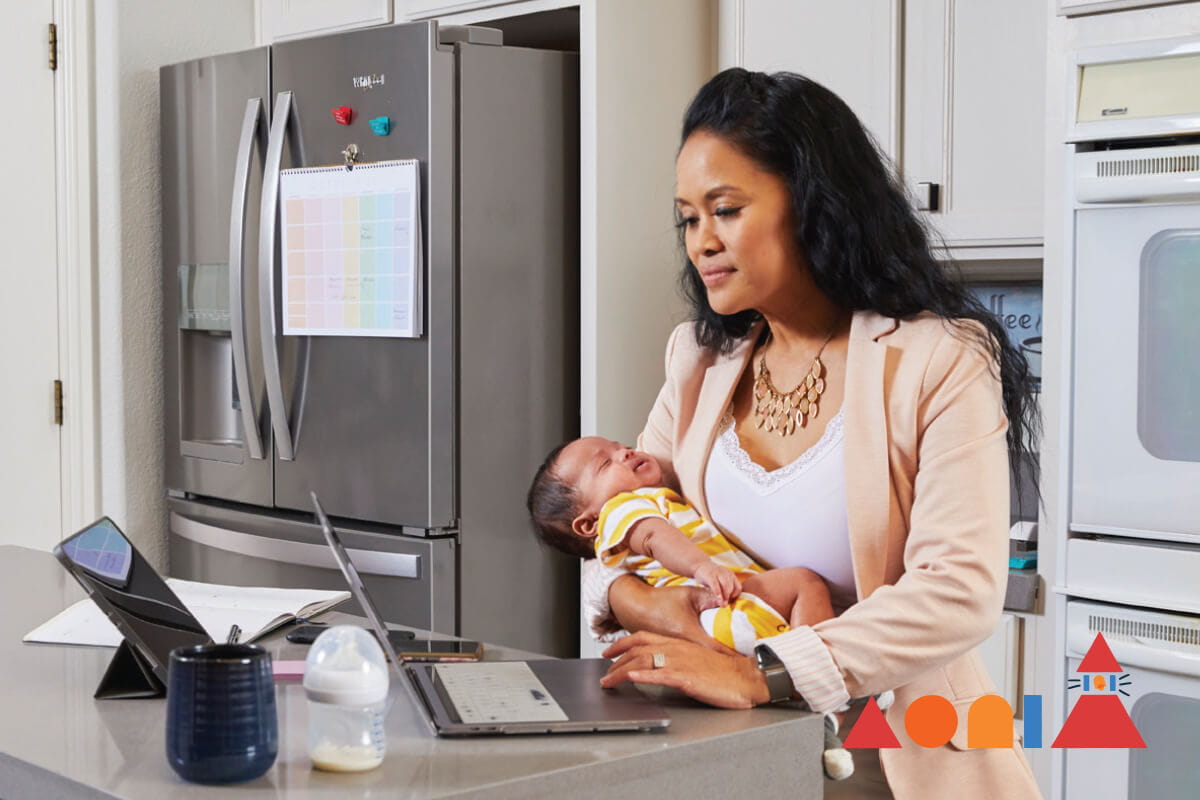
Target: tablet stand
[[129, 675]]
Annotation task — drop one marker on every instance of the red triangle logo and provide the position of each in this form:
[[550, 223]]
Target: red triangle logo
[[1099, 657], [1098, 720], [871, 730]]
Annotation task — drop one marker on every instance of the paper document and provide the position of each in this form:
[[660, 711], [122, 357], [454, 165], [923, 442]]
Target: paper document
[[256, 610], [351, 249]]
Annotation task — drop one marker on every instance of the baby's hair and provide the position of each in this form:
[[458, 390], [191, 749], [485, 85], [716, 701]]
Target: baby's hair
[[553, 506]]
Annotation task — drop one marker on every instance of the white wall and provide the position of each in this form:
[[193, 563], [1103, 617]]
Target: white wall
[[133, 38], [640, 65]]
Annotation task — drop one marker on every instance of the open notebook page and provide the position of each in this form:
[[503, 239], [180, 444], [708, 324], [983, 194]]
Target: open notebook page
[[256, 610]]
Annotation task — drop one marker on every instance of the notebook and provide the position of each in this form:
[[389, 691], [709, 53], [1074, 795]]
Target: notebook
[[493, 697], [132, 607], [256, 610]]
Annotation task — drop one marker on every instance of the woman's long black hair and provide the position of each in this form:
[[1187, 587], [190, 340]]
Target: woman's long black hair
[[865, 246]]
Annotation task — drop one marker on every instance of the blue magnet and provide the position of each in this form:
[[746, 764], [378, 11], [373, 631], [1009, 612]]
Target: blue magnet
[[380, 126]]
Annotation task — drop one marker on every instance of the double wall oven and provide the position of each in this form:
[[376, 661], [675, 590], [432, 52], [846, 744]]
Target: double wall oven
[[1132, 561]]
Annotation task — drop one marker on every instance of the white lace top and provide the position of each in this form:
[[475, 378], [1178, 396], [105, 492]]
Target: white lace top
[[794, 516]]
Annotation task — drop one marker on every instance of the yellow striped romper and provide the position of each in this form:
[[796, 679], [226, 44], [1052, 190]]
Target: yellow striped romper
[[738, 625]]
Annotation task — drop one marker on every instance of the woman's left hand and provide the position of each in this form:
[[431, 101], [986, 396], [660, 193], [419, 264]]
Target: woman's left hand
[[723, 679]]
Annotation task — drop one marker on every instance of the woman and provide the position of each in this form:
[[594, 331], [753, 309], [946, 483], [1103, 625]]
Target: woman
[[887, 472]]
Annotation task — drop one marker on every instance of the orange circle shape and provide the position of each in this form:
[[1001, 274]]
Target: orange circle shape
[[1098, 682], [931, 720]]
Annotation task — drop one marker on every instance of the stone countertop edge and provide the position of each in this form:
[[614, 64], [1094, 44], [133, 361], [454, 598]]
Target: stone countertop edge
[[699, 764]]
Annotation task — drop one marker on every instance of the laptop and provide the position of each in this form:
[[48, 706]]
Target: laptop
[[494, 697]]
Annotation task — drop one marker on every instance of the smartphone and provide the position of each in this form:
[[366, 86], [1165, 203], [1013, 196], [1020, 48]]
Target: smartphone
[[439, 650], [307, 634]]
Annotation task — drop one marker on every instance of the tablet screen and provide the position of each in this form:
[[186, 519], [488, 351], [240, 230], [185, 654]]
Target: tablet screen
[[130, 592]]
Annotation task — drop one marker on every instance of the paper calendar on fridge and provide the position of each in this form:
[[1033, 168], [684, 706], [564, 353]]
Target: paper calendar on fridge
[[351, 245]]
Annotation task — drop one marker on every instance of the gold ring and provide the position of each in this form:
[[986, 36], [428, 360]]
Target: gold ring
[[659, 660]]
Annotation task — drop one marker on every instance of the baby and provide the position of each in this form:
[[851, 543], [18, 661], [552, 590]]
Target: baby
[[597, 498], [594, 497]]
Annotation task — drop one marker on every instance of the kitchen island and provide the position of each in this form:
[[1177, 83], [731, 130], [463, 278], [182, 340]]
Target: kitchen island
[[57, 741]]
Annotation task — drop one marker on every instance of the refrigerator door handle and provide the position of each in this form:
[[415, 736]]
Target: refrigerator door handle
[[268, 225], [237, 245], [368, 562]]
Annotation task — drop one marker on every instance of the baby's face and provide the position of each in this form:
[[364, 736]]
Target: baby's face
[[600, 469]]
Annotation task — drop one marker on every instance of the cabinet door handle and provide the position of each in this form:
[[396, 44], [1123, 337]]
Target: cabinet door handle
[[928, 196]]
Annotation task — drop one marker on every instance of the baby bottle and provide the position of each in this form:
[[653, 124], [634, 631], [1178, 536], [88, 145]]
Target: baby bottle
[[346, 682]]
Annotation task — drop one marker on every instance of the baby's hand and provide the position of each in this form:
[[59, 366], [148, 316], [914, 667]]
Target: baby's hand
[[719, 580]]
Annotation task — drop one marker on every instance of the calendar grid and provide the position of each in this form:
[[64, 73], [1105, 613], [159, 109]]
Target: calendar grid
[[351, 244]]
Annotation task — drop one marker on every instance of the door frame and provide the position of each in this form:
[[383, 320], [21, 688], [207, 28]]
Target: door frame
[[77, 262]]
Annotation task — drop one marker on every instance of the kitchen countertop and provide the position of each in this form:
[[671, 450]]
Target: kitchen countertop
[[57, 741]]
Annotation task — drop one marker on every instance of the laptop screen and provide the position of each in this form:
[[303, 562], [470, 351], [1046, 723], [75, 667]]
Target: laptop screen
[[357, 587]]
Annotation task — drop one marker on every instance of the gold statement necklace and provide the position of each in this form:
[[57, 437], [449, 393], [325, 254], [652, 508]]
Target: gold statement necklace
[[784, 412]]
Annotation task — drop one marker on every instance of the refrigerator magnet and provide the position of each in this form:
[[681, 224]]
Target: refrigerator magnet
[[380, 126], [343, 114]]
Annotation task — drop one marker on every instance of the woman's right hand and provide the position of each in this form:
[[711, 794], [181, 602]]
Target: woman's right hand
[[723, 679], [671, 610]]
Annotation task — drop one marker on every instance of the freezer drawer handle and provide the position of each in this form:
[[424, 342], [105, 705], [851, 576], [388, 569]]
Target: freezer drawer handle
[[368, 562], [268, 225], [237, 246]]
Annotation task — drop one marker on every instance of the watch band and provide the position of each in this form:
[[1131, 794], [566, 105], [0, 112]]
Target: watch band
[[779, 682]]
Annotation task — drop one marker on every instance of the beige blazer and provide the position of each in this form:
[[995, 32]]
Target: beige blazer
[[930, 546]]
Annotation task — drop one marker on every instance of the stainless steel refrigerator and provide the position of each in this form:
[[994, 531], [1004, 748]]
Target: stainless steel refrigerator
[[421, 449]]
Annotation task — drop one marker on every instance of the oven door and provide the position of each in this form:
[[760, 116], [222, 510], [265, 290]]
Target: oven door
[[1136, 421], [1161, 654]]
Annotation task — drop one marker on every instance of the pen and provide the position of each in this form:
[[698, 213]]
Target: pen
[[234, 633]]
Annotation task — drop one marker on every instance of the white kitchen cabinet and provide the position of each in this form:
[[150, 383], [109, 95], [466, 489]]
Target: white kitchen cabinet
[[408, 10], [974, 112], [279, 20], [853, 48], [953, 91]]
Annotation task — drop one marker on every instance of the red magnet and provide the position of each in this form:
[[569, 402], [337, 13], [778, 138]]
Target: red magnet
[[343, 114]]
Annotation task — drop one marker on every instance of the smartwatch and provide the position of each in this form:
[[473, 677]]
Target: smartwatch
[[779, 682]]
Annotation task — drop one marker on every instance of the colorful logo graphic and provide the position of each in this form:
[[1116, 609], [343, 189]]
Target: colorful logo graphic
[[1098, 719]]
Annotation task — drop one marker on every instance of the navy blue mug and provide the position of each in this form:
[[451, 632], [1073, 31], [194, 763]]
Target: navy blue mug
[[221, 720]]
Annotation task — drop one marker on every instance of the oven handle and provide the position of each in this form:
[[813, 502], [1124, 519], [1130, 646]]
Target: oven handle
[[1132, 654], [1094, 192]]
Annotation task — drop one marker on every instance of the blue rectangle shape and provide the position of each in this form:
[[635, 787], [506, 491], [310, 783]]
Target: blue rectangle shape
[[1033, 720]]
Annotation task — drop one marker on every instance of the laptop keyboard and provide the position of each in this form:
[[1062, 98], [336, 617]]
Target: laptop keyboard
[[498, 691]]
